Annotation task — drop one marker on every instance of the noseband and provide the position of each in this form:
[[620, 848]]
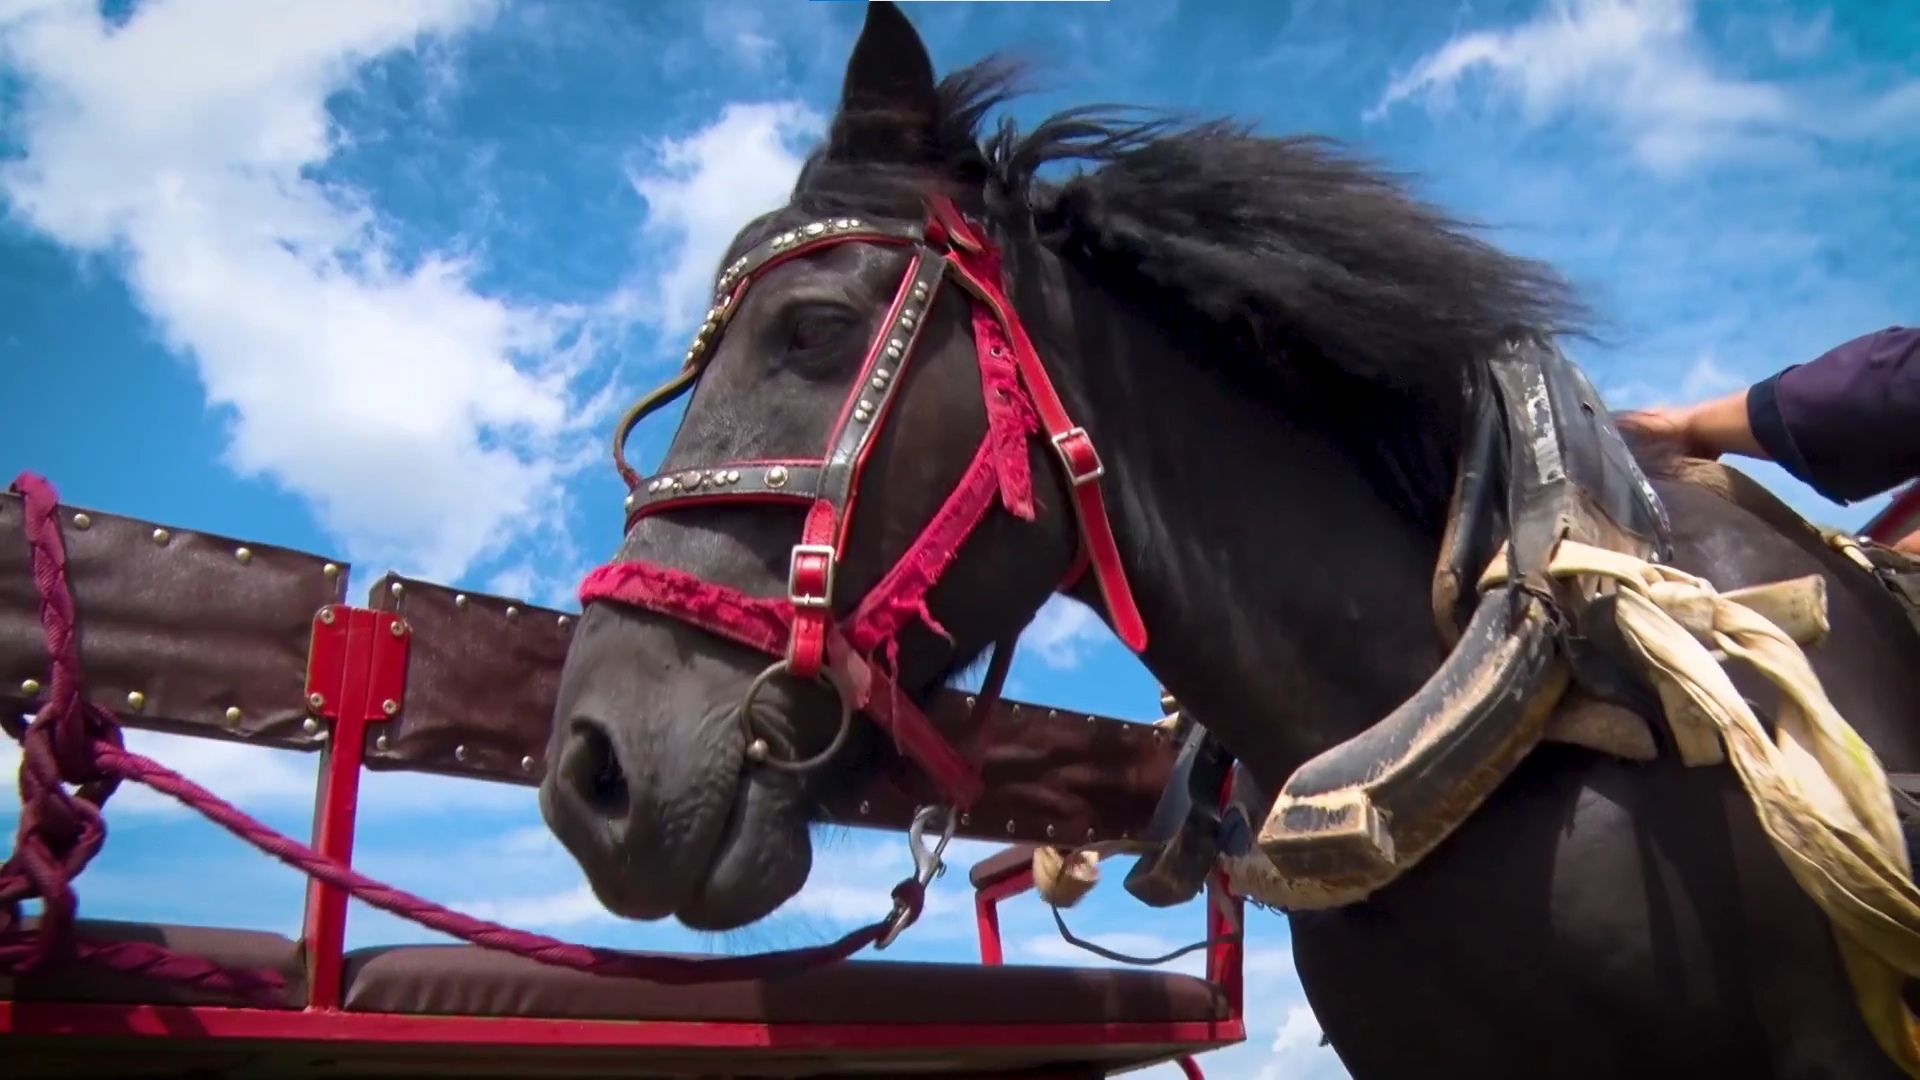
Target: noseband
[[856, 657]]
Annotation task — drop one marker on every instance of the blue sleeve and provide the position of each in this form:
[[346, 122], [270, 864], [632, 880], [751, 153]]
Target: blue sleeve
[[1847, 423]]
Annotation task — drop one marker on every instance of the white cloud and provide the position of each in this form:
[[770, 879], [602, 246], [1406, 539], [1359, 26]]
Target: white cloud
[[1063, 632], [1642, 67], [425, 421], [701, 189]]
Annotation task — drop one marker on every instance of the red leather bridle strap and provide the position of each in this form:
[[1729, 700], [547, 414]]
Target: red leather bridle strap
[[799, 628]]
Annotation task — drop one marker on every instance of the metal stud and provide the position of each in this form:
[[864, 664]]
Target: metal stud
[[1049, 830], [460, 752], [877, 382], [326, 616], [315, 701], [777, 476], [966, 819], [161, 536], [397, 589], [757, 750], [526, 764], [397, 628], [460, 600], [233, 714], [381, 744], [920, 291], [882, 374], [733, 476], [564, 621], [512, 613], [865, 808], [309, 725], [30, 687], [969, 701], [815, 229], [243, 555], [390, 707], [1014, 712], [82, 522], [1009, 825], [894, 348], [1053, 714], [136, 700], [332, 570]]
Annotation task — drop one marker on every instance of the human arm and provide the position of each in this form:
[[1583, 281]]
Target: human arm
[[1846, 423]]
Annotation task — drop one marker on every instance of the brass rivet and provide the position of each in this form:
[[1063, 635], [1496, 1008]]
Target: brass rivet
[[526, 764], [459, 600], [82, 522], [757, 750], [310, 725], [30, 687], [332, 570], [233, 714], [245, 555], [777, 476], [397, 628], [326, 616], [315, 701], [161, 536], [390, 707], [512, 613], [397, 588], [460, 753], [381, 744]]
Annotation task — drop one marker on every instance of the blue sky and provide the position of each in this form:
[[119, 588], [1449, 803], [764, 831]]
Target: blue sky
[[369, 278]]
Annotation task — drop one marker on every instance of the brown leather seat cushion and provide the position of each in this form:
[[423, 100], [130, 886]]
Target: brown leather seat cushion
[[458, 980], [246, 950]]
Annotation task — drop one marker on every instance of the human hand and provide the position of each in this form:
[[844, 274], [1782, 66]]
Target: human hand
[[1669, 427]]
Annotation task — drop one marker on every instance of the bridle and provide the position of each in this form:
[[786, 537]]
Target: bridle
[[857, 657]]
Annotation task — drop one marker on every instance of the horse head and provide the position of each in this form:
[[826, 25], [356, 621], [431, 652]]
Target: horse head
[[868, 432]]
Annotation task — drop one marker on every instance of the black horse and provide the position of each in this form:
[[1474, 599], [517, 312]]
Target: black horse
[[1268, 340]]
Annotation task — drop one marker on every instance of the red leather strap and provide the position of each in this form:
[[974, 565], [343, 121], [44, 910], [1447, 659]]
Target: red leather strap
[[979, 266]]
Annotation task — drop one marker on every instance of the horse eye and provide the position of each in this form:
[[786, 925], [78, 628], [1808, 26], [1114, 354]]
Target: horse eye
[[816, 326]]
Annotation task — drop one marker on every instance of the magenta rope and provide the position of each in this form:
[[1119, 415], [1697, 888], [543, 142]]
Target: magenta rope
[[73, 742]]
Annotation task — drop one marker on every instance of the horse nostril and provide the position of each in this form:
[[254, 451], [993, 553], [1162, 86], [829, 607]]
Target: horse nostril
[[590, 767]]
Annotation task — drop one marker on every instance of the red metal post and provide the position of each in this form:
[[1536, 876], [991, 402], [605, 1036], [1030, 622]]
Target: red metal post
[[1900, 517], [356, 674]]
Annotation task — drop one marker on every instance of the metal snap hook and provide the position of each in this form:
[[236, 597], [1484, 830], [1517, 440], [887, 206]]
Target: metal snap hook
[[928, 864], [759, 750]]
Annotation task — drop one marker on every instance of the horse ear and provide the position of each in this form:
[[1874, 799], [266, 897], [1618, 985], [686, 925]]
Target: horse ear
[[888, 103]]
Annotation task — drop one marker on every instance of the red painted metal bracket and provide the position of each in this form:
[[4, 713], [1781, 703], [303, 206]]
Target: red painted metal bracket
[[356, 675]]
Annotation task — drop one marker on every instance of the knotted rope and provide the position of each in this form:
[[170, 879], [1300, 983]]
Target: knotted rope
[[71, 741]]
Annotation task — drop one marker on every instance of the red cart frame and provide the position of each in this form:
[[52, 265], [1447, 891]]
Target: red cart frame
[[426, 678]]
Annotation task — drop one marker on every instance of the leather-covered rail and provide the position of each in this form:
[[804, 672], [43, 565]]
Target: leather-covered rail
[[179, 631]]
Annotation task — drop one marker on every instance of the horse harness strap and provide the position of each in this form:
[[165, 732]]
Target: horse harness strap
[[800, 629]]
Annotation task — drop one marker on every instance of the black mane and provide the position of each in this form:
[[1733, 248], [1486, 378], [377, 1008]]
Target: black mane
[[1292, 263]]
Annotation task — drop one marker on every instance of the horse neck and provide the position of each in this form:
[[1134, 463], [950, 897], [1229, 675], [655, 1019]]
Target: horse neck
[[1286, 602]]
